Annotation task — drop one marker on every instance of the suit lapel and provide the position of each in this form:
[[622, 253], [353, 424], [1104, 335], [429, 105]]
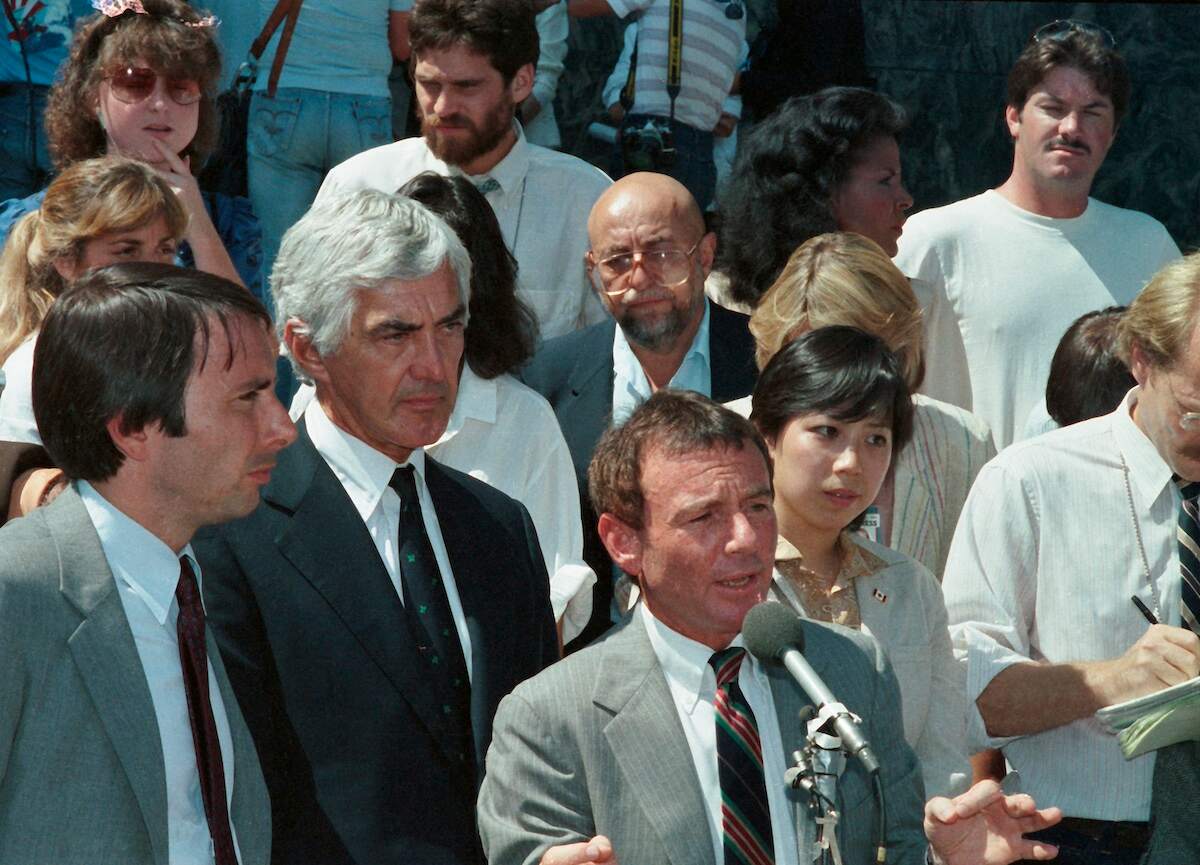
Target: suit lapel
[[648, 743], [731, 354], [586, 411], [329, 546], [248, 810], [103, 650]]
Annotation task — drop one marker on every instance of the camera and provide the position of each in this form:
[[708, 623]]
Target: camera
[[648, 146]]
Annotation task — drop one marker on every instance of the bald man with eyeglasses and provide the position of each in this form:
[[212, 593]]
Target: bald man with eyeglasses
[[648, 260]]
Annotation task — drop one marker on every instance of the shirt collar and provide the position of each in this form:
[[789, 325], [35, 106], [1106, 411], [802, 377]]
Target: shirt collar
[[476, 400], [684, 661], [625, 362], [363, 471], [135, 555], [1147, 469], [510, 171]]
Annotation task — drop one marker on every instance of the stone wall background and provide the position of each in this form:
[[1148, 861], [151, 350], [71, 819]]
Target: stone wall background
[[946, 62]]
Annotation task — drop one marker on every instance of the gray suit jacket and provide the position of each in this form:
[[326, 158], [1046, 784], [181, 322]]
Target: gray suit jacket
[[593, 745], [81, 768]]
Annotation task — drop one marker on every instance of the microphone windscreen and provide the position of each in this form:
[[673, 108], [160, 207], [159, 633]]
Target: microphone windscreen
[[770, 628]]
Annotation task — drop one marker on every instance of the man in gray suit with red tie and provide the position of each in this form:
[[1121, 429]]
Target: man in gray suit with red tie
[[120, 738]]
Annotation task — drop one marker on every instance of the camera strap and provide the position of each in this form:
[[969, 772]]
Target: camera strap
[[674, 60]]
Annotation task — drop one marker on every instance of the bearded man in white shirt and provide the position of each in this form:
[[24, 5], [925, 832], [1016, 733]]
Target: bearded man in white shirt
[[1001, 275], [1061, 538], [120, 738], [472, 64]]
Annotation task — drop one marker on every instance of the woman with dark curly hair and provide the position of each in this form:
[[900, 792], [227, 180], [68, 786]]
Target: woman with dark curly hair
[[140, 82], [821, 163]]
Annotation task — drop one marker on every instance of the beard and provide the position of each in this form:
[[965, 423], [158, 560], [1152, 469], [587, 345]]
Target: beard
[[659, 334], [459, 149]]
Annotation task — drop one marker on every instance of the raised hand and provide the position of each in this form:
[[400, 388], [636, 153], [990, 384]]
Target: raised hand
[[985, 827]]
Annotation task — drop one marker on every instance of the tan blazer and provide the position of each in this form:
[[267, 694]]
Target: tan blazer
[[902, 607]]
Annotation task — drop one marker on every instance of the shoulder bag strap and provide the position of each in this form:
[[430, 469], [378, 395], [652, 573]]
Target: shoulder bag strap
[[674, 53]]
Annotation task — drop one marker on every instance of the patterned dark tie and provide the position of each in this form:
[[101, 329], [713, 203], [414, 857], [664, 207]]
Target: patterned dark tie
[[486, 185], [193, 658], [1188, 534], [430, 619], [745, 816]]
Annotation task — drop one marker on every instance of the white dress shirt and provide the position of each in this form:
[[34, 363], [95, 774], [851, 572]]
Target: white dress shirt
[[146, 572], [364, 473], [693, 686], [505, 434], [631, 388], [1042, 568], [542, 205]]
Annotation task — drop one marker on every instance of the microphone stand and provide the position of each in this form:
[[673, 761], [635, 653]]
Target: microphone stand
[[816, 770]]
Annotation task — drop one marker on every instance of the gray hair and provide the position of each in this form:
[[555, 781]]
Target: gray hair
[[353, 241]]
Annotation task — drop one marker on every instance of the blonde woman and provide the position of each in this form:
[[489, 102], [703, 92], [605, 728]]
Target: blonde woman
[[846, 279], [97, 212]]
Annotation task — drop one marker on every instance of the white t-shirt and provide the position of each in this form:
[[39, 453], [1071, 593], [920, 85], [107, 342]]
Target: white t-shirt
[[542, 205], [1000, 285]]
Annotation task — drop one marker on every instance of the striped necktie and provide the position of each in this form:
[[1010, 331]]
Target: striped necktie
[[745, 816], [1188, 533]]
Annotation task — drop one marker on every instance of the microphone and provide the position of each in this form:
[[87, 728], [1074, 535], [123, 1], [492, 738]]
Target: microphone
[[774, 634]]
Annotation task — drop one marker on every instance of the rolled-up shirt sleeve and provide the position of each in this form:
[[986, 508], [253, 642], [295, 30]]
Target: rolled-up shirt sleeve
[[990, 586]]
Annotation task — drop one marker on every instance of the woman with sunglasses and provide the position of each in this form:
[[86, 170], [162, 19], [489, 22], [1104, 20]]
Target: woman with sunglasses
[[97, 212], [834, 408], [139, 82]]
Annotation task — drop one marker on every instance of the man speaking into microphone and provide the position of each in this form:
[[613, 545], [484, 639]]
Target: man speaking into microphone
[[665, 742]]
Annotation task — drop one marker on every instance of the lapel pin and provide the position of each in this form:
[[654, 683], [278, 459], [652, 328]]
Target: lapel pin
[[879, 596]]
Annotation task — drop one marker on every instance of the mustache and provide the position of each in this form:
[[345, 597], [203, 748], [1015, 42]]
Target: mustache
[[433, 121], [1074, 143], [439, 391]]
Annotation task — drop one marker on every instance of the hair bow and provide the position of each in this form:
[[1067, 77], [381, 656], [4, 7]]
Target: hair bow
[[113, 8]]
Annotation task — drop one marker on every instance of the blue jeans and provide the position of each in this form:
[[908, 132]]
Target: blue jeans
[[294, 139], [694, 166], [24, 167]]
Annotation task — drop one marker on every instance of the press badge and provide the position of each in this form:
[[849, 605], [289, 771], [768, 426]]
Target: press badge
[[872, 521]]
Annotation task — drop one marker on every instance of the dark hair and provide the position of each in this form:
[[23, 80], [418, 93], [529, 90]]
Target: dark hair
[[502, 332], [677, 421], [121, 342], [1087, 377], [503, 31], [1088, 52], [781, 187], [170, 37], [842, 371]]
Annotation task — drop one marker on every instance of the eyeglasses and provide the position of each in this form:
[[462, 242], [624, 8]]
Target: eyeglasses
[[1064, 27], [667, 267], [1189, 421], [133, 84]]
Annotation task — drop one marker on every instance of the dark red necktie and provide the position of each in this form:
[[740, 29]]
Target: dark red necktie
[[193, 658]]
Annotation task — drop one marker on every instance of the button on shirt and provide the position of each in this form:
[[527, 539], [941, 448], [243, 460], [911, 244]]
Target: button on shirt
[[631, 388], [693, 686], [146, 573], [364, 473], [542, 199], [1042, 568]]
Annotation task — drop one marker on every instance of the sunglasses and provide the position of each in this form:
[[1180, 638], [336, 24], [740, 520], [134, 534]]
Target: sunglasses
[[133, 84], [1064, 27]]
